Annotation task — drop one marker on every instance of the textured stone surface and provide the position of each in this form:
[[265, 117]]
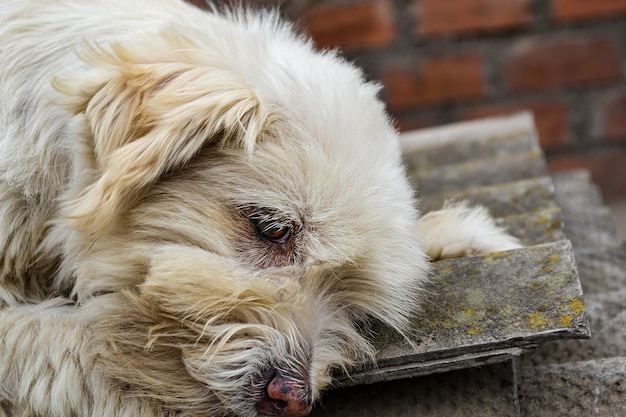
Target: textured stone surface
[[588, 223], [485, 391], [478, 172], [539, 226], [484, 306], [603, 278], [573, 189], [514, 198], [440, 154], [603, 270], [472, 139], [575, 389]]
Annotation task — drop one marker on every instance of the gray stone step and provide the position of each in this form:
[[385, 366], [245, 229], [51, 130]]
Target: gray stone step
[[484, 391], [540, 226], [603, 270], [574, 189], [519, 197], [478, 172], [589, 388], [587, 222], [481, 308], [476, 153], [448, 152], [603, 278], [500, 390], [491, 137], [591, 227]]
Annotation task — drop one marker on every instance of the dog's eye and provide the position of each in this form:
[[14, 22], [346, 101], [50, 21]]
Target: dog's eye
[[271, 231]]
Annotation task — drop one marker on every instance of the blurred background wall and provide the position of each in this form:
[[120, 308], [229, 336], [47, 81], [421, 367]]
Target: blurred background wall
[[442, 61]]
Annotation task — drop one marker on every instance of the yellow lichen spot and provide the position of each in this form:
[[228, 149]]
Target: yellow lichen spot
[[538, 320], [470, 312], [474, 331], [553, 258], [446, 270], [537, 284], [492, 310], [497, 255], [549, 260], [577, 305], [566, 320]]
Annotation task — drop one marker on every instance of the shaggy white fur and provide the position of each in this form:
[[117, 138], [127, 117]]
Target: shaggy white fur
[[199, 213]]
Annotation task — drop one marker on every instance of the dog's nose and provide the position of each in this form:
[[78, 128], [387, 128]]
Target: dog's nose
[[285, 397]]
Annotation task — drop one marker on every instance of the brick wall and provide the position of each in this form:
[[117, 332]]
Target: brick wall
[[446, 60]]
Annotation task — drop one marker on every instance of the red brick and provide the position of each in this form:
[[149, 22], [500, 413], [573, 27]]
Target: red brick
[[570, 10], [551, 119], [608, 170], [197, 3], [547, 64], [613, 118], [441, 17], [405, 125], [435, 81], [360, 25]]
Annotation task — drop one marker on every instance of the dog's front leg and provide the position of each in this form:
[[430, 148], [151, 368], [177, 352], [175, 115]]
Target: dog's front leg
[[462, 230], [49, 366]]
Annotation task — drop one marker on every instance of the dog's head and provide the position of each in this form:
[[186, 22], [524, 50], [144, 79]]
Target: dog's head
[[250, 208]]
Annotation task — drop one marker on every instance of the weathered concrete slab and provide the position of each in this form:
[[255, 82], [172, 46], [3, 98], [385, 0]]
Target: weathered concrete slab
[[575, 389], [588, 224], [486, 307], [424, 156], [590, 227], [475, 153], [474, 135], [534, 228], [603, 277], [484, 391], [519, 197], [602, 270], [574, 189], [479, 172], [608, 321]]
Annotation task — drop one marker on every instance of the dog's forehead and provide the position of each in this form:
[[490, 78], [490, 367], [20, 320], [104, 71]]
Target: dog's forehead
[[319, 91], [334, 142]]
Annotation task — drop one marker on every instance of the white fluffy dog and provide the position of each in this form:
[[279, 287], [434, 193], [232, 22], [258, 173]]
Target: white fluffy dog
[[198, 213]]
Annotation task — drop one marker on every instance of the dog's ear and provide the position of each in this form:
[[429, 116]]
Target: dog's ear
[[148, 116]]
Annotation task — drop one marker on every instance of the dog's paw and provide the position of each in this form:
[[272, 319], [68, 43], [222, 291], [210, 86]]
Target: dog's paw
[[460, 230]]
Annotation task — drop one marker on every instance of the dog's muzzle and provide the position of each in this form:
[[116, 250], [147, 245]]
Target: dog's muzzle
[[286, 397]]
